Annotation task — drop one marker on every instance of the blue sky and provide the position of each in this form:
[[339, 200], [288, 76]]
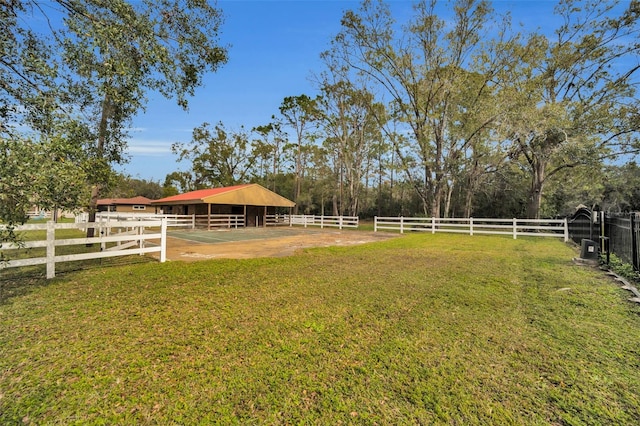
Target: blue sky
[[274, 46]]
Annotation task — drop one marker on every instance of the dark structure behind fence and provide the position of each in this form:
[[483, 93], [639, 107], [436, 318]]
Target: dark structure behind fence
[[617, 233]]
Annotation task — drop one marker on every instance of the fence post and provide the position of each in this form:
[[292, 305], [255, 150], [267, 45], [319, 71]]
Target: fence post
[[515, 228], [433, 225], [603, 231], [566, 230], [634, 242], [163, 240], [193, 221], [340, 222], [322, 222], [401, 224], [375, 224], [471, 226], [140, 233], [104, 231], [51, 249]]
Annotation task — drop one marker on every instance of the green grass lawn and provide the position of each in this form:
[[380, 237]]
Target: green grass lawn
[[422, 329]]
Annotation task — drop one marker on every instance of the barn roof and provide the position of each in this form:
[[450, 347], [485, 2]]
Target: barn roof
[[241, 195], [139, 200]]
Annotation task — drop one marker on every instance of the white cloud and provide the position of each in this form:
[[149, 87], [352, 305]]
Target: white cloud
[[149, 147]]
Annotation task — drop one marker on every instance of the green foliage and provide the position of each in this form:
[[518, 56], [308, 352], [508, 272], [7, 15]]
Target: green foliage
[[88, 72], [621, 188], [301, 114], [43, 174], [123, 186], [623, 269], [428, 329], [218, 157]]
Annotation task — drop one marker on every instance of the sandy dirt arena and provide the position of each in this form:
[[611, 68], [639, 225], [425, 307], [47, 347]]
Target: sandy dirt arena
[[276, 246]]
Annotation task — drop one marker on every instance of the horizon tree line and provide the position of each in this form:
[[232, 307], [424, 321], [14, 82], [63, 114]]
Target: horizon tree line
[[451, 113]]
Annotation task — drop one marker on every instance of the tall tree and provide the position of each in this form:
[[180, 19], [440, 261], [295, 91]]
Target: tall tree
[[218, 157], [351, 130], [269, 146], [110, 55], [300, 113], [576, 93], [421, 69]]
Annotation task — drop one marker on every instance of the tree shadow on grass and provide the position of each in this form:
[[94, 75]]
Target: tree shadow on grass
[[17, 282]]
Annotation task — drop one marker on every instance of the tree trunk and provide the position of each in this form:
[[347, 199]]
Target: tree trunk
[[102, 136], [468, 201], [535, 193], [447, 202]]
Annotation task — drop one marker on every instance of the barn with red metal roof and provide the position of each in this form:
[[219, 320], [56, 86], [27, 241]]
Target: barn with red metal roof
[[253, 201]]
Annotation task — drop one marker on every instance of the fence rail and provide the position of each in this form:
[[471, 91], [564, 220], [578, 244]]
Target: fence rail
[[191, 221], [472, 226], [129, 238], [219, 221], [321, 221]]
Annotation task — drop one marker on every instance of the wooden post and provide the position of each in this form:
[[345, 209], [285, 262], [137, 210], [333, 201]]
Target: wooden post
[[471, 226], [375, 224], [433, 225], [402, 224], [208, 216], [515, 228]]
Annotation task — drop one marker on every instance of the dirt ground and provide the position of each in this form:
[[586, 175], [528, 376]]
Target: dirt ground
[[186, 250]]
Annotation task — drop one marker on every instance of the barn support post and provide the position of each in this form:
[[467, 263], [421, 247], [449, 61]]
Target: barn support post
[[246, 218], [208, 216], [290, 223], [264, 218]]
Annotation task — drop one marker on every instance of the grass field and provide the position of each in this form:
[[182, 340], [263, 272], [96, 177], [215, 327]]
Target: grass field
[[423, 329]]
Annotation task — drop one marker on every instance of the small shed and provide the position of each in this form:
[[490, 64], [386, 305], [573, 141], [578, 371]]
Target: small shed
[[253, 201], [137, 204]]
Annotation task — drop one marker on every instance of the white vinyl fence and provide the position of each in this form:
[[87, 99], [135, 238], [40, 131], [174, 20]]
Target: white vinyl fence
[[515, 227], [311, 220], [129, 238], [219, 221], [190, 221], [173, 220]]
